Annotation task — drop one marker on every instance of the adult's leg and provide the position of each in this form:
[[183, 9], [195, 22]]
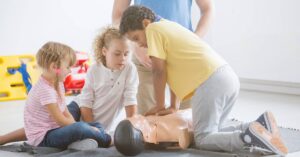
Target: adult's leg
[[62, 137], [145, 94]]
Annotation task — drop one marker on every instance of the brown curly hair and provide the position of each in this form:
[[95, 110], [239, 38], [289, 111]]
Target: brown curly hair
[[103, 40], [133, 17]]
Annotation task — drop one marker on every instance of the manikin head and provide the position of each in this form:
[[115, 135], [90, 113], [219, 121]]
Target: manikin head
[[127, 139]]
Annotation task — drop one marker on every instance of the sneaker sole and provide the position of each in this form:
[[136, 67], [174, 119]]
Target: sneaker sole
[[273, 124], [274, 143], [267, 118]]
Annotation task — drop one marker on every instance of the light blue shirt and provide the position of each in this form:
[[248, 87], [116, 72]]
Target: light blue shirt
[[175, 10]]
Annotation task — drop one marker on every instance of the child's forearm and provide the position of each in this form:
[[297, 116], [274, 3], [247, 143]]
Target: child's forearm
[[58, 116], [67, 113], [131, 110], [159, 89], [66, 119], [86, 114], [69, 118], [159, 82], [175, 102], [66, 122]]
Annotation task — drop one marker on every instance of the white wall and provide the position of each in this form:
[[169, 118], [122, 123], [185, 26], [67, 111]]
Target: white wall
[[259, 38], [26, 25]]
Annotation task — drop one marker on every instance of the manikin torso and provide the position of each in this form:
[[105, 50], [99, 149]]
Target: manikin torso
[[168, 128]]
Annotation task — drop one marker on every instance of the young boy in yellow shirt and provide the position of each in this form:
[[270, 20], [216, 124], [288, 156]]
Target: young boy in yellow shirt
[[192, 69]]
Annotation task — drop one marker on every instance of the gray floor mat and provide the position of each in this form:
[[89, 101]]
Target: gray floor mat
[[291, 138]]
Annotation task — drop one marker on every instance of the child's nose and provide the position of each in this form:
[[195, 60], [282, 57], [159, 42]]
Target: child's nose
[[123, 57], [140, 44]]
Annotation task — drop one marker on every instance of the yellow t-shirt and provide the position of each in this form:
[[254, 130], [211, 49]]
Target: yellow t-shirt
[[189, 60]]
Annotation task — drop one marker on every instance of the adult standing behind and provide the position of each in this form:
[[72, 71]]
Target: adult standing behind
[[175, 10]]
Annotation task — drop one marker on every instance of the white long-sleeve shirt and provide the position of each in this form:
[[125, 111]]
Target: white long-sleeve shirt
[[107, 91]]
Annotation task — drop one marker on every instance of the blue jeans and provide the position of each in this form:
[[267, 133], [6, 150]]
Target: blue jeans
[[63, 136], [74, 110]]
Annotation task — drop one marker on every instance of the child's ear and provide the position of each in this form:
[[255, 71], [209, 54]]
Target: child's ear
[[146, 22], [104, 51], [53, 67]]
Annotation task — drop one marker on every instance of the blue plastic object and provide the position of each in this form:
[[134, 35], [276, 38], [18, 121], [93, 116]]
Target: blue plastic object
[[25, 75]]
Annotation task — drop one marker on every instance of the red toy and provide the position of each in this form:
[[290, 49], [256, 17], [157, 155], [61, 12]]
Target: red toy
[[74, 82]]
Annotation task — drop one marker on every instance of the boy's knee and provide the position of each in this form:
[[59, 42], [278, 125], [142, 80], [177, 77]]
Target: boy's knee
[[199, 138]]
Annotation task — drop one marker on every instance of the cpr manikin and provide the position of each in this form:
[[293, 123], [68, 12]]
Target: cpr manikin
[[131, 134]]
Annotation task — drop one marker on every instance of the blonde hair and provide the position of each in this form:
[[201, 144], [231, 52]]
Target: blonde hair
[[54, 52], [103, 40]]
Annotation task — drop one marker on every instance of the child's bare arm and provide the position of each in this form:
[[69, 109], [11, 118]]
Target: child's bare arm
[[86, 114], [58, 116], [175, 102], [159, 80], [130, 110], [67, 114]]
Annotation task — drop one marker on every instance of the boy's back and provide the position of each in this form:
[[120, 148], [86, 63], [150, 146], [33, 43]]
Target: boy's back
[[189, 60]]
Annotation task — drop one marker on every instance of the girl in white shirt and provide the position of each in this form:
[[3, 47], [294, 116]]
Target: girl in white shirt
[[111, 83]]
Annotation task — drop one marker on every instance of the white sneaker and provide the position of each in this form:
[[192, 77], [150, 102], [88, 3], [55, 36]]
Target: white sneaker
[[85, 144], [267, 120], [257, 135]]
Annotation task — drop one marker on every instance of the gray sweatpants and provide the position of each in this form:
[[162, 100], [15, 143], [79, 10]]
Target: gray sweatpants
[[211, 105]]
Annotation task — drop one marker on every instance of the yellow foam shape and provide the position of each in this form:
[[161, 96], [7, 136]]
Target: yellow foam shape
[[11, 85]]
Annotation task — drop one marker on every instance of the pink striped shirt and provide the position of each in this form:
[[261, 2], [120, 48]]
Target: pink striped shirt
[[37, 120]]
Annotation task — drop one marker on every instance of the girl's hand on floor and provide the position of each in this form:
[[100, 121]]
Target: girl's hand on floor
[[141, 55]]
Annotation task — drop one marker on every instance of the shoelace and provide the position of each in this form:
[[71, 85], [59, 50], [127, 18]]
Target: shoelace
[[260, 150]]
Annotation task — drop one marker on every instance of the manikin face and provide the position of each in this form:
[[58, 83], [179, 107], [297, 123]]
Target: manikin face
[[116, 54], [146, 127], [138, 37]]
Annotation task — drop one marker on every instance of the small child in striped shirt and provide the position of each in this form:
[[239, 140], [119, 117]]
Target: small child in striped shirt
[[47, 119]]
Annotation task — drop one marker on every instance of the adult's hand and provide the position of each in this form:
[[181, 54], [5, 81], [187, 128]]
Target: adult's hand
[[141, 55]]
